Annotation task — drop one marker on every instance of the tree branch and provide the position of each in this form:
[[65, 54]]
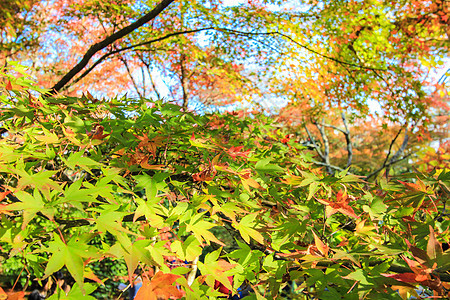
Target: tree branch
[[399, 152], [393, 268], [332, 126], [389, 164], [402, 147], [105, 56], [348, 141], [90, 52], [147, 66], [328, 166], [304, 47], [136, 87], [108, 41], [387, 156], [346, 133], [314, 143], [193, 273], [326, 145]]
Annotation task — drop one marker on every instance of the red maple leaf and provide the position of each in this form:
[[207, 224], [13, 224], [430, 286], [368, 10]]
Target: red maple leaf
[[286, 139], [160, 287], [236, 152], [403, 277], [340, 205], [421, 275], [222, 288]]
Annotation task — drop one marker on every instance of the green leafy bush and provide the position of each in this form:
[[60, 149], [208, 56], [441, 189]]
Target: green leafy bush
[[202, 205]]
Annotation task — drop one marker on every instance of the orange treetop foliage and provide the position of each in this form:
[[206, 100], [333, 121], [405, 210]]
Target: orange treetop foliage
[[343, 54]]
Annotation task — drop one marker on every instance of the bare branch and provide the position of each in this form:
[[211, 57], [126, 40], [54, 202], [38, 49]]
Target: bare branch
[[402, 147], [328, 166], [158, 95], [143, 82], [332, 126], [108, 41], [392, 162], [394, 158], [348, 141], [314, 143], [390, 147], [326, 145], [183, 79], [90, 52], [304, 47], [346, 133], [147, 65], [399, 151]]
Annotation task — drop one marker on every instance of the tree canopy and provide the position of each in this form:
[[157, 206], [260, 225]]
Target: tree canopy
[[257, 149]]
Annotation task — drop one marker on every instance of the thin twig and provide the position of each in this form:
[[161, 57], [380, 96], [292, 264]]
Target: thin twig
[[390, 147], [303, 46], [224, 30], [136, 87]]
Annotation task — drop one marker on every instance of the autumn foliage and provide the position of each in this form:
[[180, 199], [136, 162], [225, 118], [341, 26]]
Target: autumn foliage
[[259, 150], [211, 210]]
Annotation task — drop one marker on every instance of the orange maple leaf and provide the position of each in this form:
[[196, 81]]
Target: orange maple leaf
[[340, 205], [11, 295], [97, 132], [321, 246], [421, 275], [207, 174], [149, 144], [419, 187], [235, 152], [160, 287], [4, 194], [8, 85]]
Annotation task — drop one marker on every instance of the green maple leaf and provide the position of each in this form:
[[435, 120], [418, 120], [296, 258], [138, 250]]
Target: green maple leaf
[[247, 229], [132, 253], [76, 159], [187, 250], [200, 229], [70, 255], [216, 269], [74, 194], [40, 180], [75, 293], [111, 221], [30, 205], [150, 210], [157, 252]]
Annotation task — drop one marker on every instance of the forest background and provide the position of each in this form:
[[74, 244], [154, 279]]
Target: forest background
[[276, 148]]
